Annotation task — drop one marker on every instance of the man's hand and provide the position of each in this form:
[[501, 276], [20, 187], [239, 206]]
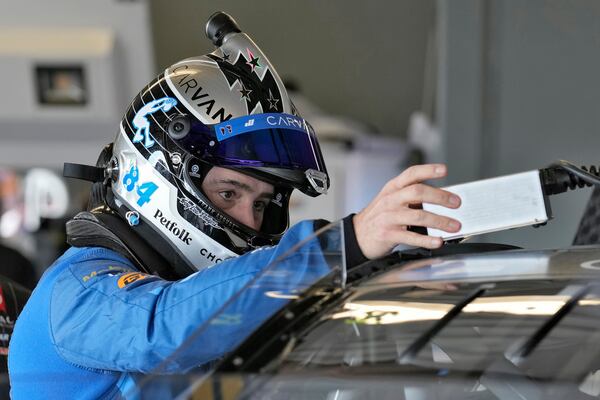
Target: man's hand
[[384, 223]]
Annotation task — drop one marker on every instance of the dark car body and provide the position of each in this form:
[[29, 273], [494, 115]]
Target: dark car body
[[501, 324]]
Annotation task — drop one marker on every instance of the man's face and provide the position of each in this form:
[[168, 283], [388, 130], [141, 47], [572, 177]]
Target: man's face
[[240, 196]]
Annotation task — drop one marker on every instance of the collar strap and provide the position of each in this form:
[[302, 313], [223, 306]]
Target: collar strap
[[88, 229]]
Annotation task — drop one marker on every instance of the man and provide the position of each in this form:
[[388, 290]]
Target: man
[[179, 223]]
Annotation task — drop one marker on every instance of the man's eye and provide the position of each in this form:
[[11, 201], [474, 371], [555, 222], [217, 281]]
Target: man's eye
[[227, 195], [259, 205]]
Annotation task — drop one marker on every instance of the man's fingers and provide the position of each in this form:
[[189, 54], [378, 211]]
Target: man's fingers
[[383, 223], [417, 240], [420, 193], [415, 174], [427, 220]]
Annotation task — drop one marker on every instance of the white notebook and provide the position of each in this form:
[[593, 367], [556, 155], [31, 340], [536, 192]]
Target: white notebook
[[495, 204]]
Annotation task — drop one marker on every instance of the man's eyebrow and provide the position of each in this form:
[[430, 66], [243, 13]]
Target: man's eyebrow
[[237, 184], [244, 187], [266, 195]]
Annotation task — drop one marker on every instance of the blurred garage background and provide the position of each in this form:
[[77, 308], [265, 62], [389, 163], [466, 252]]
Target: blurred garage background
[[489, 87]]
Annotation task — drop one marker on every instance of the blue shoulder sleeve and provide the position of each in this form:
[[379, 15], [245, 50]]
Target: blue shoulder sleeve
[[106, 316]]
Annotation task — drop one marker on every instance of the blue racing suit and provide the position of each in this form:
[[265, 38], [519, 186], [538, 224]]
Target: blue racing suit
[[95, 324]]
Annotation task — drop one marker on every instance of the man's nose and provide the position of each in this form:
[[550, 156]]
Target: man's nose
[[245, 214]]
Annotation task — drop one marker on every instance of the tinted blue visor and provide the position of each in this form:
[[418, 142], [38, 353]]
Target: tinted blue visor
[[273, 140]]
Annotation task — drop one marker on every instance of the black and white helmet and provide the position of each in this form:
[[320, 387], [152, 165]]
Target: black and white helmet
[[229, 109]]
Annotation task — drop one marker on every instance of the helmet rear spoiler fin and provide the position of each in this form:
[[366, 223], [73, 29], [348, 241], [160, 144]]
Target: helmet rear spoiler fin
[[89, 173]]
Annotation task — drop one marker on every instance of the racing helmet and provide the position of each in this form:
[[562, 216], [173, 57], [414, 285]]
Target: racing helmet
[[228, 109]]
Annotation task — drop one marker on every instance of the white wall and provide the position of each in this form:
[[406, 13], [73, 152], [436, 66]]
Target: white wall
[[110, 39]]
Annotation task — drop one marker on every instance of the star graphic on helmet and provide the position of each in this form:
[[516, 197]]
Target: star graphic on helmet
[[253, 63], [245, 92], [272, 101], [240, 71]]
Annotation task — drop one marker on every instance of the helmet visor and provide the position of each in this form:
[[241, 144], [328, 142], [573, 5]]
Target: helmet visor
[[274, 140]]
